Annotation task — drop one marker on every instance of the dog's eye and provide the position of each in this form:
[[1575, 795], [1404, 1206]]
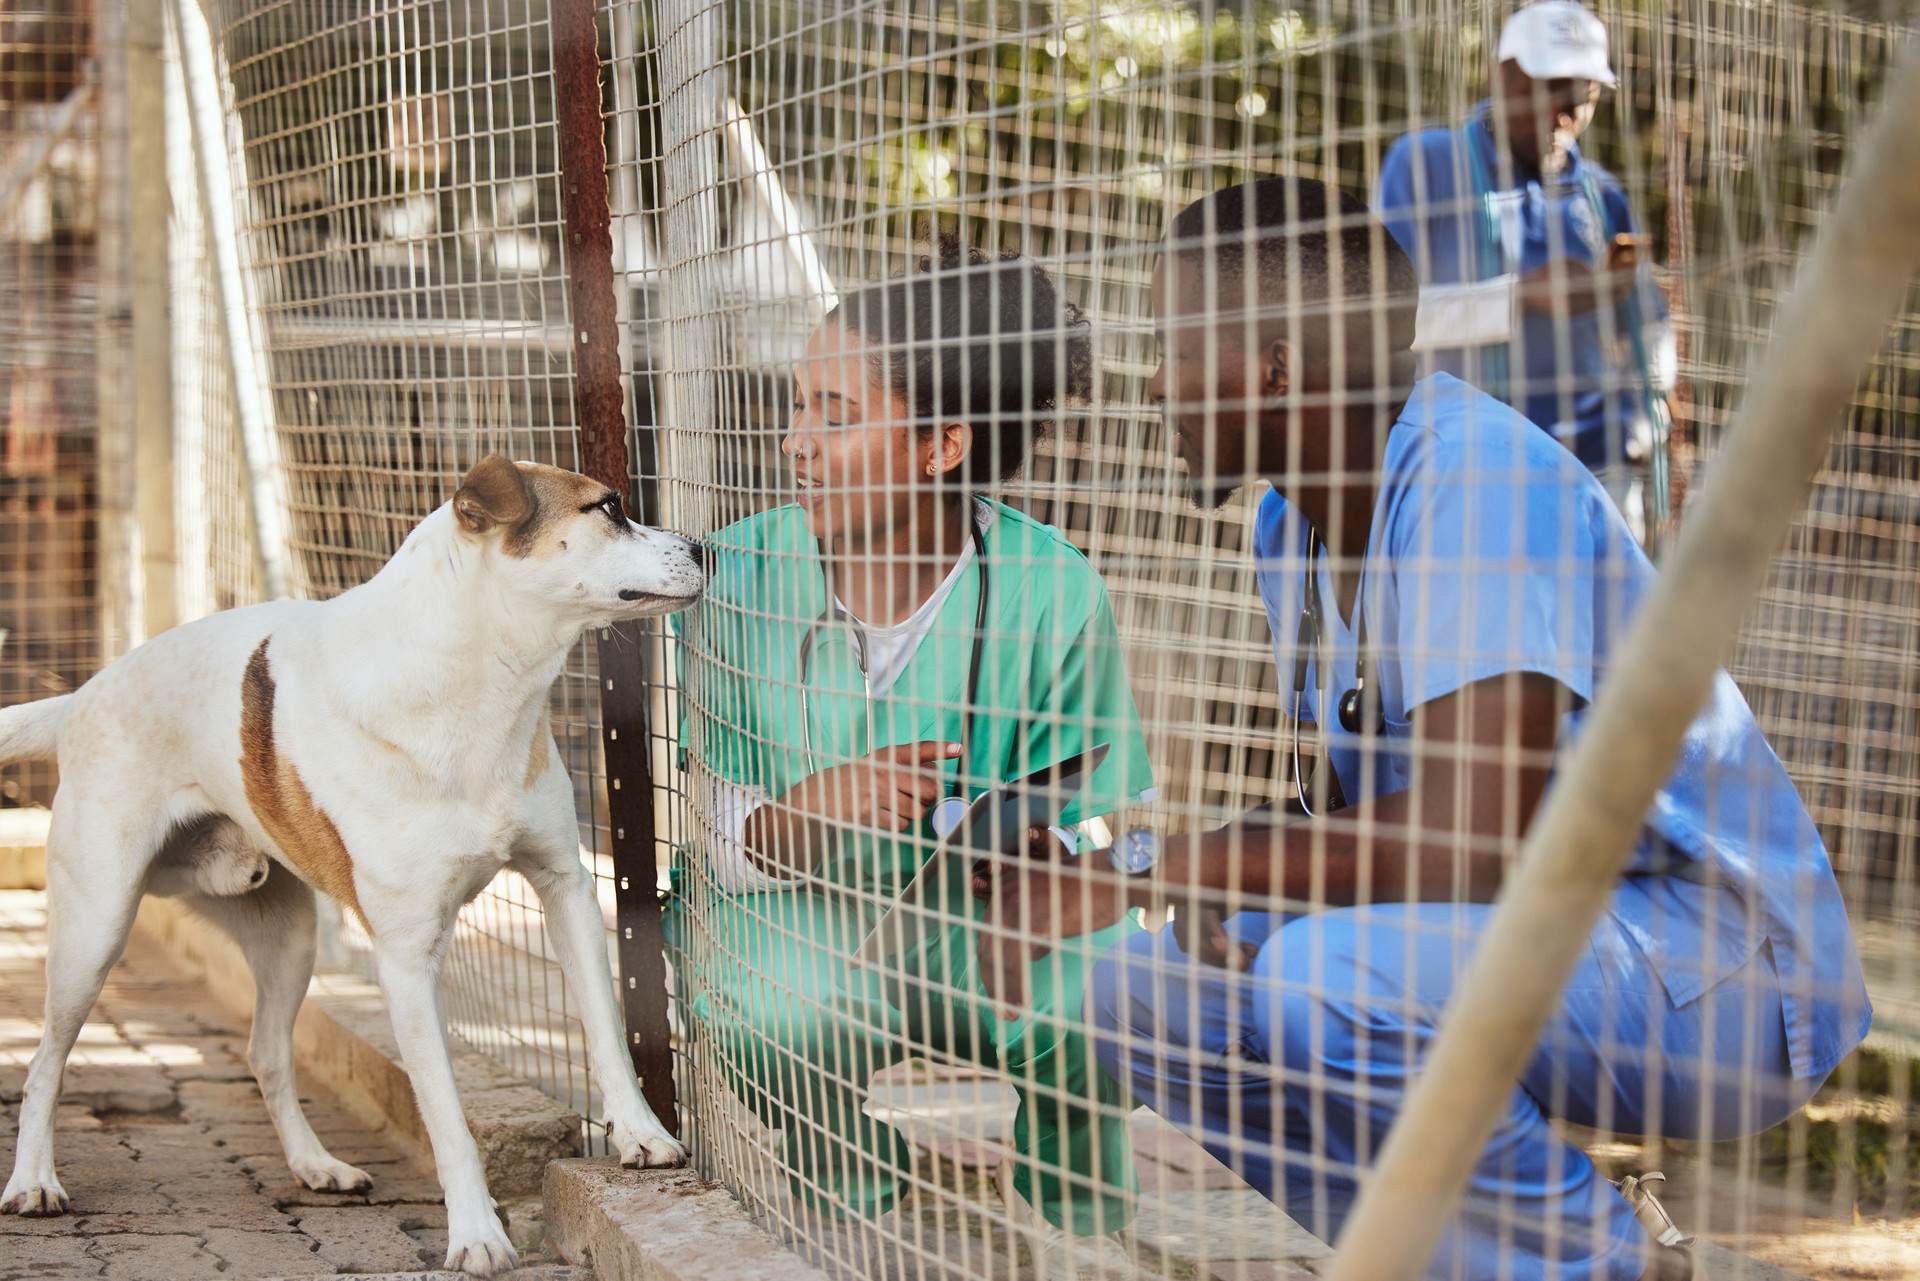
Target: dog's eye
[[613, 508]]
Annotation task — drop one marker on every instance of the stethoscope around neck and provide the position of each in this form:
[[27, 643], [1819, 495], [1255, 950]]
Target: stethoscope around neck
[[1356, 702], [833, 613]]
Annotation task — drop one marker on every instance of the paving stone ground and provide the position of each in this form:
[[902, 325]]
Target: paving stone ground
[[165, 1147]]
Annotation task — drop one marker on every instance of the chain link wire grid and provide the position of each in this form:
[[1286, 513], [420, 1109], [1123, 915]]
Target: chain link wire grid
[[399, 220]]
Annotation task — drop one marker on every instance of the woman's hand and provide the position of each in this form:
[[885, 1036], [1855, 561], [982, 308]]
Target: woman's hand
[[889, 791], [1034, 898]]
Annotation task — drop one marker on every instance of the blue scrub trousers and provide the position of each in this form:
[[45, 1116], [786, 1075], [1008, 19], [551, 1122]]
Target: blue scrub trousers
[[1292, 1072]]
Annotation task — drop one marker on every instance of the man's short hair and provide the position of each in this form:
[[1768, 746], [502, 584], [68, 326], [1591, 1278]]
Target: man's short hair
[[1299, 234]]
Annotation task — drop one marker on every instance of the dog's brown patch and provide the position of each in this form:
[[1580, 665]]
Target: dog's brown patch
[[558, 498], [279, 797], [537, 758], [533, 504]]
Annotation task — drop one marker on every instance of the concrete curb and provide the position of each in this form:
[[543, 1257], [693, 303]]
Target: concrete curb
[[659, 1225], [344, 1040]]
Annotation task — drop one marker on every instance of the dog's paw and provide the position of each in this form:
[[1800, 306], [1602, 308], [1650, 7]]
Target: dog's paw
[[485, 1253], [646, 1146], [656, 1154], [35, 1200], [324, 1174]]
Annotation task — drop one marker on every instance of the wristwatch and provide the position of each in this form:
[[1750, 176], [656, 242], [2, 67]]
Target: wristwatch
[[1136, 853]]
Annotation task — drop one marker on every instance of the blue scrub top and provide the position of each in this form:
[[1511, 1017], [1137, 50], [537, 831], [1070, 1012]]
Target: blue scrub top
[[1493, 550], [1584, 397]]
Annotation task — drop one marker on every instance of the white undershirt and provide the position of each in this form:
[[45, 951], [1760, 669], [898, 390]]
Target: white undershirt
[[889, 650]]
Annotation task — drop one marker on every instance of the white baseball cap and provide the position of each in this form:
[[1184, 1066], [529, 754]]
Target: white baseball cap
[[1555, 40]]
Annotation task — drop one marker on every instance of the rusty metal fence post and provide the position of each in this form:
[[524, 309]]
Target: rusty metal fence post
[[586, 214]]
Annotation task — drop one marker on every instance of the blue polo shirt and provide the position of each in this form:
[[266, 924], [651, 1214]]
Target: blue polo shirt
[[1575, 375], [1493, 550]]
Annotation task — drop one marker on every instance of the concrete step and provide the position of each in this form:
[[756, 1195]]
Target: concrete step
[[659, 1225], [541, 1272]]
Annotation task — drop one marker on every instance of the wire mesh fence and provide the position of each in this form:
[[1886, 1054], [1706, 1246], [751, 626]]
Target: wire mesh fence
[[48, 201], [1070, 134], [889, 1094]]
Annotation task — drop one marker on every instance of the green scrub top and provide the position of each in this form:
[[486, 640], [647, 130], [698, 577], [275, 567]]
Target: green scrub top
[[1052, 683]]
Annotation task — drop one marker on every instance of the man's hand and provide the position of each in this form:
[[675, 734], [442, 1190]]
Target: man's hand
[[1575, 286], [1033, 898], [1202, 932], [889, 790]]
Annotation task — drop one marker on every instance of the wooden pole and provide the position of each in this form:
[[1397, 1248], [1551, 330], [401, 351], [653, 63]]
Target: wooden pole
[[148, 244], [119, 591]]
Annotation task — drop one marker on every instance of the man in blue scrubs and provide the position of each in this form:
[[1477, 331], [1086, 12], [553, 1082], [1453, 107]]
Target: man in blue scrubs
[[1485, 581], [1526, 253]]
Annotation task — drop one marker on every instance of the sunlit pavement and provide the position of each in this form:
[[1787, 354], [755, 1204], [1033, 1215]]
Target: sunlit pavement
[[165, 1148]]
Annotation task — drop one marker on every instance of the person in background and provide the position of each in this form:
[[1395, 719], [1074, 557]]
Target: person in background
[[1533, 279], [892, 639], [1446, 588]]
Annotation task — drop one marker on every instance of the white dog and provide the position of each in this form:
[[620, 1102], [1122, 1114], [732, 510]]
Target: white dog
[[390, 747]]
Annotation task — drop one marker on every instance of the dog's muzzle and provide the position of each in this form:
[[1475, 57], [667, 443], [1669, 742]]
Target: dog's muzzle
[[700, 561]]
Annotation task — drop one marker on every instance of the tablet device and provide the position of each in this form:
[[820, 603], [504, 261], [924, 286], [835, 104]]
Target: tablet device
[[995, 822]]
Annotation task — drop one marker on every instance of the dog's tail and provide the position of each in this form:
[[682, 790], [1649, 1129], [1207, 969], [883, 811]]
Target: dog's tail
[[31, 731]]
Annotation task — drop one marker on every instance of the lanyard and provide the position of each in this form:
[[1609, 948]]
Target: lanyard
[[1495, 359], [1493, 374]]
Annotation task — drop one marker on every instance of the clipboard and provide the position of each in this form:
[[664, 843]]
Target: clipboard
[[995, 822]]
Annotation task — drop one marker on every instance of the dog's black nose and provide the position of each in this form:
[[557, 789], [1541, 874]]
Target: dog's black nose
[[704, 556]]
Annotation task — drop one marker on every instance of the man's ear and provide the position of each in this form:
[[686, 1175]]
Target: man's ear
[[1276, 368], [494, 493]]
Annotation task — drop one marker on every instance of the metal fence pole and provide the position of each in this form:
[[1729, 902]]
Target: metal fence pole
[[1851, 286], [222, 192], [692, 94], [586, 215]]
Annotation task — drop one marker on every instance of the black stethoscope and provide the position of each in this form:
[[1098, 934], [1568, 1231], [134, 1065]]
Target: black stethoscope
[[1307, 643], [834, 613]]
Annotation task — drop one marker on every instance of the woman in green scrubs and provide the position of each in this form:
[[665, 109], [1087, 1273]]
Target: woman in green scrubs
[[830, 671]]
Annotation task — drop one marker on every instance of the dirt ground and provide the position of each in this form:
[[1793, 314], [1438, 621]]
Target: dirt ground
[[1873, 1250]]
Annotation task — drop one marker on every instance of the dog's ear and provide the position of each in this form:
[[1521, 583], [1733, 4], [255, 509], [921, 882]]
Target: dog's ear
[[494, 493]]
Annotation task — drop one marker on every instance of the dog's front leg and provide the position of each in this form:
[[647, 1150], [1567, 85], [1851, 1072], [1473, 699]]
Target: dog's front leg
[[410, 977], [579, 941]]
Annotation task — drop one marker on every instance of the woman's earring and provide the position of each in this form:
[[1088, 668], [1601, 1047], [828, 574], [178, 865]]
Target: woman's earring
[[931, 469]]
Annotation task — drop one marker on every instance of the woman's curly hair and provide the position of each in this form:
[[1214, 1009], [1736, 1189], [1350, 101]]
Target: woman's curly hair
[[968, 336]]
